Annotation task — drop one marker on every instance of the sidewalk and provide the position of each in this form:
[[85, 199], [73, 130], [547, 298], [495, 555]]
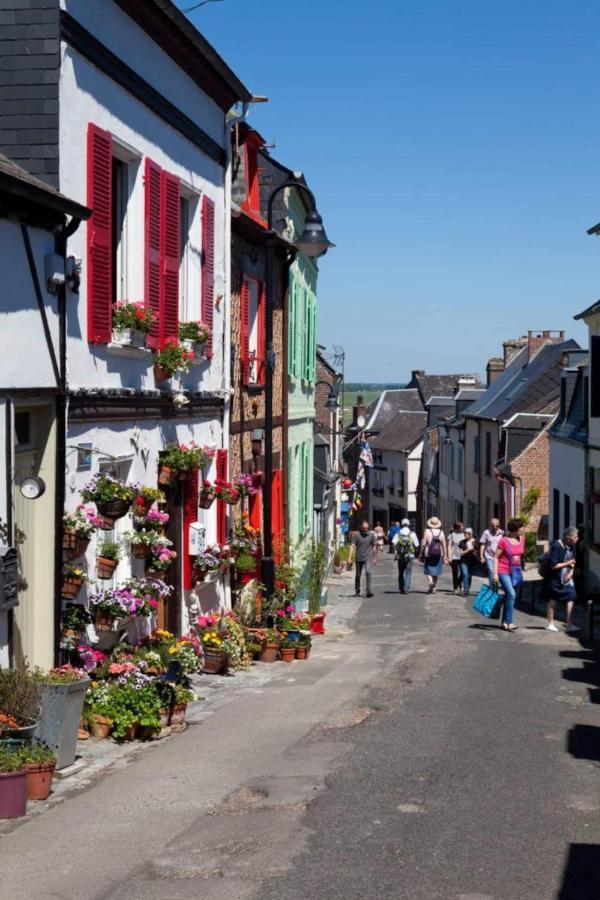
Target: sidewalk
[[98, 758]]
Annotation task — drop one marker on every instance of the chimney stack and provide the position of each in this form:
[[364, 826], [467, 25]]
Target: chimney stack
[[494, 369], [511, 348], [537, 339]]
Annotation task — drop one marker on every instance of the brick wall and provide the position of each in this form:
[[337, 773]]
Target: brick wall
[[533, 466], [29, 73]]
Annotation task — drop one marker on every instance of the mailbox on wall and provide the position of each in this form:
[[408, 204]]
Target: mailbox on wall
[[9, 597]]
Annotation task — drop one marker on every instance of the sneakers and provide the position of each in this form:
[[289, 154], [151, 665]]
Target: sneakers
[[571, 629], [552, 627], [369, 593]]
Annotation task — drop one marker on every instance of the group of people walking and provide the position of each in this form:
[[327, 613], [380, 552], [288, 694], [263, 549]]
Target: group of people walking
[[500, 552]]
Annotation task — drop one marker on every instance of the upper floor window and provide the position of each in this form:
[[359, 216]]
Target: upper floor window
[[252, 328], [595, 375], [488, 453], [476, 454]]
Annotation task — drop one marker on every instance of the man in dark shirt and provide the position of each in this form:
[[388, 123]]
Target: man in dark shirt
[[364, 547], [558, 581]]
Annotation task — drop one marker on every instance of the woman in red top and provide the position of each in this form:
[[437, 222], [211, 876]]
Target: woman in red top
[[507, 568]]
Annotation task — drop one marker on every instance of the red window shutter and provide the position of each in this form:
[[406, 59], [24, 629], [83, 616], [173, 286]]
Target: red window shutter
[[190, 514], [221, 463], [208, 266], [99, 234], [244, 330], [260, 332], [254, 510], [152, 233], [277, 513], [170, 252]]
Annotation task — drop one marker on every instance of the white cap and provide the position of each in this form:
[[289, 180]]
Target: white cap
[[406, 522]]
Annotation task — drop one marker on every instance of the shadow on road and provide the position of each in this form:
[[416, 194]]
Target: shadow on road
[[581, 879], [583, 742]]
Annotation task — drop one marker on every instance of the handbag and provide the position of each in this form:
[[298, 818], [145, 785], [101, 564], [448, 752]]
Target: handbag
[[487, 602]]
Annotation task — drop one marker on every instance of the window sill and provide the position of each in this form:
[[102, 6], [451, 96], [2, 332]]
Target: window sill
[[128, 350]]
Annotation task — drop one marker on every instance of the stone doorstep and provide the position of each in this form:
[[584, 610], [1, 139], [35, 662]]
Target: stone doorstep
[[96, 757]]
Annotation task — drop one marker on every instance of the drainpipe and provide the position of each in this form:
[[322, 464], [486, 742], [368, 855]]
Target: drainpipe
[[61, 237]]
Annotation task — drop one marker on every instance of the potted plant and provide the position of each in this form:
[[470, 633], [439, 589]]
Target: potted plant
[[78, 528], [245, 568], [207, 495], [108, 558], [207, 564], [182, 696], [130, 323], [271, 646], [62, 694], [19, 703], [287, 650], [73, 621], [153, 519], [113, 498], [170, 359], [73, 578], [245, 485], [193, 336], [178, 460], [303, 645], [13, 784], [160, 557], [98, 709], [39, 763], [214, 657], [147, 498], [142, 542]]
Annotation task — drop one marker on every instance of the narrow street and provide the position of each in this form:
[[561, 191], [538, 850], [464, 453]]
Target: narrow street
[[420, 753]]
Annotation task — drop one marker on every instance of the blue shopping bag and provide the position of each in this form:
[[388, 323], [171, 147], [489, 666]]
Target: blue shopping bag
[[487, 602]]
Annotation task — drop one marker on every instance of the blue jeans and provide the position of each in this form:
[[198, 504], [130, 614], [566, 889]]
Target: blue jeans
[[508, 606], [404, 574], [489, 564], [466, 576]]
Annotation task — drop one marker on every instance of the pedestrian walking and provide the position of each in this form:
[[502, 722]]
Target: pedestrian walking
[[393, 531], [507, 568], [455, 539], [434, 552], [488, 544], [379, 536], [364, 548], [468, 559], [559, 584], [407, 545]]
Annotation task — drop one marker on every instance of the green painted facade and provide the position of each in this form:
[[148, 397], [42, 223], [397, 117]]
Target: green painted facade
[[302, 347]]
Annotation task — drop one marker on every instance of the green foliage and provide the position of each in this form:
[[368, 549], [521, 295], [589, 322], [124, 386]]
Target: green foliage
[[531, 552], [173, 358], [315, 574], [194, 331], [286, 644], [38, 754], [245, 563], [532, 495], [10, 760], [110, 550], [75, 617], [184, 457], [19, 695]]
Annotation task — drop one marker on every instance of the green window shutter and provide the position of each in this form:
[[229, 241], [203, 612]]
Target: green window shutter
[[301, 490], [290, 469], [313, 331]]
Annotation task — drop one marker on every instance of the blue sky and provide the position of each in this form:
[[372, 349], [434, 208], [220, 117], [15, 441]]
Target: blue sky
[[452, 148]]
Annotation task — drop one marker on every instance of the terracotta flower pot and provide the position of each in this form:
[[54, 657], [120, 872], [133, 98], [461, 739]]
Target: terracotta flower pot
[[70, 587], [165, 475], [13, 794], [39, 780], [105, 567], [100, 726], [205, 500], [158, 574], [74, 544], [131, 732], [161, 374], [214, 661], [113, 509], [269, 653], [103, 621], [288, 654], [300, 652], [70, 635], [139, 551], [178, 716]]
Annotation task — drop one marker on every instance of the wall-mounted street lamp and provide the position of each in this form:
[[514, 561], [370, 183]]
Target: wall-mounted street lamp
[[332, 400], [314, 243]]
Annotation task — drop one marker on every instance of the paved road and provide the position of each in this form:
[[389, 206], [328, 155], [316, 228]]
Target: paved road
[[426, 754]]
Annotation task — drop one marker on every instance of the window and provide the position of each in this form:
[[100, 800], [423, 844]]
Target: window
[[579, 514], [595, 375], [488, 453], [252, 327], [461, 464], [476, 454], [184, 248], [401, 482], [23, 429], [555, 514], [567, 511], [119, 197]]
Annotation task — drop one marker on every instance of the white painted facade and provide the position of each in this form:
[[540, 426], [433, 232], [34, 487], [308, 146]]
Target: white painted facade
[[567, 476], [396, 474]]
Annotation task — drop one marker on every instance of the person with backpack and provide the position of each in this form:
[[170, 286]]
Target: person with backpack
[[508, 570], [559, 585], [455, 539], [468, 558], [407, 543], [434, 552]]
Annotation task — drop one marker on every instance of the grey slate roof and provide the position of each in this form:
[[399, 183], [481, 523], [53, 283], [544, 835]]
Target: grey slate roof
[[574, 425], [439, 385], [389, 404], [402, 433], [594, 308], [16, 181], [525, 386]]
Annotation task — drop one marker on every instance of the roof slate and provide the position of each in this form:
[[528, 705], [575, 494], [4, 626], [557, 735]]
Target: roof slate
[[390, 403], [16, 180], [440, 385], [402, 433]]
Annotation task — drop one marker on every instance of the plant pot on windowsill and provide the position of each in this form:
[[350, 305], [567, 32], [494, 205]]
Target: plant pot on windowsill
[[122, 336], [162, 374], [105, 568], [70, 587]]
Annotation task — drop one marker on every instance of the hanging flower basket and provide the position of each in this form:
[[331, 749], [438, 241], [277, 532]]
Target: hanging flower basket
[[234, 499], [206, 499], [105, 567], [78, 549], [139, 551], [70, 587], [113, 509]]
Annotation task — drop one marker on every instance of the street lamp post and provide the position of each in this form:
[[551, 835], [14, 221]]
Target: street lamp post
[[314, 243]]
